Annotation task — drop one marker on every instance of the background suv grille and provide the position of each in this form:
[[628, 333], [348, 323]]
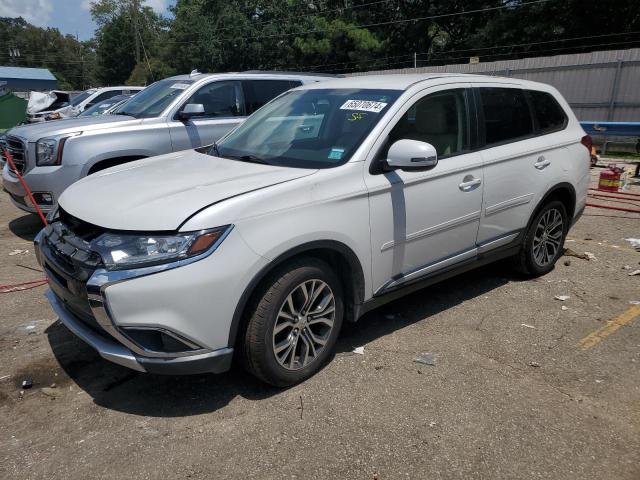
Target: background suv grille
[[18, 151]]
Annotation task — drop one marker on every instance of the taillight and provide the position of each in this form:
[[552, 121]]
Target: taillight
[[587, 142]]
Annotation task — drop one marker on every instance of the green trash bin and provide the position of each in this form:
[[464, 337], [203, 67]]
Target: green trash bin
[[13, 110]]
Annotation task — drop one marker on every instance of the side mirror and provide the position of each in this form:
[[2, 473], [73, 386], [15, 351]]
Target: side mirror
[[192, 110], [412, 156]]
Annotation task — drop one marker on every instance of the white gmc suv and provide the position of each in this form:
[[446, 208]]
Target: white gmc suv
[[327, 202]]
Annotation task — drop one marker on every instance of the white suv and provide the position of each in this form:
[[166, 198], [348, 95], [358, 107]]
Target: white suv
[[327, 202]]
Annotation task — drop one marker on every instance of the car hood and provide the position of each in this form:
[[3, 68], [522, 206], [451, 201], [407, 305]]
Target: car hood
[[160, 193], [35, 131]]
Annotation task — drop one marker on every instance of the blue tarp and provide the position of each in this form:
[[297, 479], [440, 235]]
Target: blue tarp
[[617, 129]]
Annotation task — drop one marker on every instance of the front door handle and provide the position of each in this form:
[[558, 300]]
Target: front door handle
[[542, 163], [469, 182]]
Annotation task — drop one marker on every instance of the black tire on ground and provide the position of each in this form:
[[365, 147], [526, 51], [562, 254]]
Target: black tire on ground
[[257, 349], [525, 262]]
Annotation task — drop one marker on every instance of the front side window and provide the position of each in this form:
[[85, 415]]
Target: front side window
[[75, 101], [439, 119], [316, 128], [103, 96], [259, 92], [549, 114], [220, 99], [152, 101], [506, 114]]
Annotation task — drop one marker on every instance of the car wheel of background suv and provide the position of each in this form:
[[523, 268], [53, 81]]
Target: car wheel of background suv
[[544, 240], [294, 323]]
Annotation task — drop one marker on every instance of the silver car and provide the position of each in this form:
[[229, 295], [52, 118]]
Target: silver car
[[178, 113], [332, 199]]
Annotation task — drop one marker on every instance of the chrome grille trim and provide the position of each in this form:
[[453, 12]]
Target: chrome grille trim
[[18, 151]]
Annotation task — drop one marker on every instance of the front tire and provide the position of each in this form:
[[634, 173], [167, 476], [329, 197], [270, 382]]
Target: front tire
[[544, 240], [294, 324]]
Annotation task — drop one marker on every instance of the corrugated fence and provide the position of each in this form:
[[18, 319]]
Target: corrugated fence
[[600, 86]]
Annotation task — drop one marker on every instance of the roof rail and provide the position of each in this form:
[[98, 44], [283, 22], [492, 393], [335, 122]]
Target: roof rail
[[283, 72]]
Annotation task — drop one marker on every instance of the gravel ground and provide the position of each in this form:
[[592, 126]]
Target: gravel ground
[[512, 394]]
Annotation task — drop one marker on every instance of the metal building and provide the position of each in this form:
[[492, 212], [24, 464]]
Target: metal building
[[600, 86], [19, 79]]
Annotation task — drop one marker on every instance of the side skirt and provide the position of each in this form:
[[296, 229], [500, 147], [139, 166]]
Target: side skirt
[[482, 259]]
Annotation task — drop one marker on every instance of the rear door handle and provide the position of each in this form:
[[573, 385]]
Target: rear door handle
[[542, 163], [468, 183]]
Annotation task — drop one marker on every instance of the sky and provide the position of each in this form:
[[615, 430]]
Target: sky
[[68, 16]]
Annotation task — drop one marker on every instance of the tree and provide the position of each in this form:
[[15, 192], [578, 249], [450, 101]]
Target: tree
[[72, 62], [128, 34]]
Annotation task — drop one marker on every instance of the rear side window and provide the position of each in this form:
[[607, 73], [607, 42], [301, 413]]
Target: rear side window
[[259, 92], [548, 113], [506, 114]]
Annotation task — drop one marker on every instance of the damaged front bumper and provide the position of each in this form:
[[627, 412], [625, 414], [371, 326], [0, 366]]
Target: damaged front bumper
[[77, 295]]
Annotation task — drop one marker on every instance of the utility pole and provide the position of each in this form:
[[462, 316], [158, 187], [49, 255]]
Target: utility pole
[[415, 60], [135, 9]]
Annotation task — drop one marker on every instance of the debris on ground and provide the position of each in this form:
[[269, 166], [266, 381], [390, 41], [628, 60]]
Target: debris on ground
[[27, 383], [426, 359], [635, 272], [28, 328], [4, 377], [631, 302], [583, 256], [564, 308], [627, 267], [432, 424], [534, 364], [528, 326], [590, 256], [635, 243], [17, 251], [51, 392], [567, 263], [359, 350], [562, 298]]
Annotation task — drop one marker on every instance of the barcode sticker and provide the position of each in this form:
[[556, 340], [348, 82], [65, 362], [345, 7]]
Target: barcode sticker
[[363, 106]]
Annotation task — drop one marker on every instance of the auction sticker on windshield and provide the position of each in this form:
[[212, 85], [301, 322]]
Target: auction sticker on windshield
[[363, 105], [180, 86]]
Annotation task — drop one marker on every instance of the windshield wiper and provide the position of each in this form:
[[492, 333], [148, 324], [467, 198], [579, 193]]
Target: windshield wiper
[[248, 158]]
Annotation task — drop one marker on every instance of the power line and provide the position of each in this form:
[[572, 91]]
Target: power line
[[482, 48], [379, 24]]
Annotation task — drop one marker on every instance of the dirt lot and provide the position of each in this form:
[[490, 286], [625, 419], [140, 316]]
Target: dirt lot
[[514, 394]]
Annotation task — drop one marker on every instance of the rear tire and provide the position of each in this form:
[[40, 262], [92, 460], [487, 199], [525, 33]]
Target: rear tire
[[294, 324], [544, 240]]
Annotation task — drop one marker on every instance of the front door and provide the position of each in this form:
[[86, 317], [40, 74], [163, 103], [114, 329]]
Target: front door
[[423, 222], [224, 108]]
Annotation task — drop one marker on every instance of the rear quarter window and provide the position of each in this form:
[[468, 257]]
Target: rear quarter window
[[549, 115], [506, 115]]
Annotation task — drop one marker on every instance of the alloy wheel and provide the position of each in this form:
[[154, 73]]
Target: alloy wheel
[[304, 324], [548, 237]]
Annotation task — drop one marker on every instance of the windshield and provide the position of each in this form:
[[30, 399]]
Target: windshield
[[151, 101], [308, 128], [79, 98]]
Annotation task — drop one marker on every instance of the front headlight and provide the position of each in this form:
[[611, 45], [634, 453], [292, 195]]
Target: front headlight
[[46, 151], [122, 251], [49, 150]]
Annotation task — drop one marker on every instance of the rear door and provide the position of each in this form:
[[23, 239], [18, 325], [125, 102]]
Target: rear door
[[259, 92], [519, 164], [224, 108]]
